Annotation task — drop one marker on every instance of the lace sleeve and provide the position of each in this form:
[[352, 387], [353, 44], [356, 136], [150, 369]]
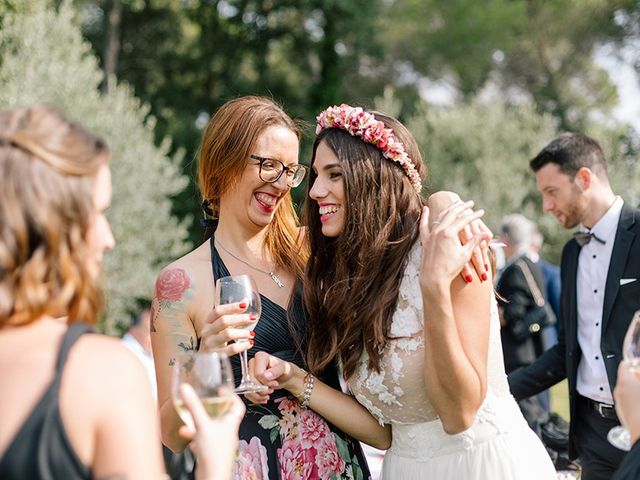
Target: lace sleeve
[[397, 394]]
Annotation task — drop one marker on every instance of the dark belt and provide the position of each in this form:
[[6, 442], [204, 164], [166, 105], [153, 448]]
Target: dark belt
[[604, 409]]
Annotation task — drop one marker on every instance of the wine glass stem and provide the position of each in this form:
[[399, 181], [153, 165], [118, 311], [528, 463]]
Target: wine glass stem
[[244, 365]]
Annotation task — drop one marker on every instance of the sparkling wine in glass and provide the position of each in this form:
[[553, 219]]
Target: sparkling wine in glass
[[619, 436], [210, 375], [242, 288]]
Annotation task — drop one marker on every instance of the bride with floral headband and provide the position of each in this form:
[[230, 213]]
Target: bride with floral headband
[[419, 345]]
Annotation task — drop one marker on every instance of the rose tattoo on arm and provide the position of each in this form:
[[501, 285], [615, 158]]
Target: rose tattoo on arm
[[171, 286]]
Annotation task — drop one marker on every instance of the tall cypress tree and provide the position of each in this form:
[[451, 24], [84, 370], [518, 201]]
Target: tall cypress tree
[[44, 59]]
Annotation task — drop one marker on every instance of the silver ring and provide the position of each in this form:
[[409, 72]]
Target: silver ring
[[435, 222]]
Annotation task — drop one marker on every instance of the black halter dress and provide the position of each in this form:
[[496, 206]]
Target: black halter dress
[[41, 449], [281, 440]]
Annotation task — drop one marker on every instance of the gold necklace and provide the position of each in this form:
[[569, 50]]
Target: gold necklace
[[273, 276]]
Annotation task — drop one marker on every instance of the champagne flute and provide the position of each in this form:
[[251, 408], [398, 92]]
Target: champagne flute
[[210, 375], [619, 436], [242, 288]]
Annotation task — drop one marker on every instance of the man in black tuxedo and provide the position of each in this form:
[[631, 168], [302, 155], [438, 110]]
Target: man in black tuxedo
[[600, 271]]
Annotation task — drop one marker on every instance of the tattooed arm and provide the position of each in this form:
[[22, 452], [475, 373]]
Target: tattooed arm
[[172, 333], [184, 301]]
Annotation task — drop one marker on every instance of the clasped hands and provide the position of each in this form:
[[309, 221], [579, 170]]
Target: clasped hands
[[453, 226], [275, 373]]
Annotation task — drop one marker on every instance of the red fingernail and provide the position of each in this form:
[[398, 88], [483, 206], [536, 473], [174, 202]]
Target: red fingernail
[[486, 267], [252, 316], [468, 279], [252, 334], [483, 277], [251, 342], [242, 305]]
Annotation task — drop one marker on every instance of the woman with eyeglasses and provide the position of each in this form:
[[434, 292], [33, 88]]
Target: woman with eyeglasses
[[248, 163]]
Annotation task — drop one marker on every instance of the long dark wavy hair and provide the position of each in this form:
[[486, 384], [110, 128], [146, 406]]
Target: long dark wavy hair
[[352, 281]]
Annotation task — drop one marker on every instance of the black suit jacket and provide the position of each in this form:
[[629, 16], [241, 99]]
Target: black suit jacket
[[620, 303], [517, 304]]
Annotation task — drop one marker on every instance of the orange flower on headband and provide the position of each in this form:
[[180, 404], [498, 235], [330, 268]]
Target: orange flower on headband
[[359, 123]]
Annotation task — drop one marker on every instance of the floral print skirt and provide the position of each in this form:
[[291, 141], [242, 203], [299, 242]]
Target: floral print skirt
[[282, 440]]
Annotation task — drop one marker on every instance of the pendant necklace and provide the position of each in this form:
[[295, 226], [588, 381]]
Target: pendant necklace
[[273, 276]]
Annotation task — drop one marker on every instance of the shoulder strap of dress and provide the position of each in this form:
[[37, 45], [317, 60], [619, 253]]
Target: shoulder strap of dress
[[214, 256], [73, 333]]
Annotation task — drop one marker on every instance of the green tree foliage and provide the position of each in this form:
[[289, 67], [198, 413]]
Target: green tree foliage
[[621, 145], [45, 59], [187, 57], [457, 39], [542, 49], [481, 151], [553, 57]]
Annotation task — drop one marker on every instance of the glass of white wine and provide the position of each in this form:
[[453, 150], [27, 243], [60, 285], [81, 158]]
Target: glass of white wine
[[210, 375], [235, 289], [619, 436]]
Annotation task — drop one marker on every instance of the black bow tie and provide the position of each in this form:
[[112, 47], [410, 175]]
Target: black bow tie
[[585, 237]]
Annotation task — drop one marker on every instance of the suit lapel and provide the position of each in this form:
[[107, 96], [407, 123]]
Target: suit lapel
[[619, 255], [571, 323]]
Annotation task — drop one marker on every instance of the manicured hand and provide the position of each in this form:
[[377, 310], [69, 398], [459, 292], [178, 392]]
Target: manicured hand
[[270, 371], [626, 394], [213, 441], [440, 201], [443, 254], [480, 256], [224, 325]]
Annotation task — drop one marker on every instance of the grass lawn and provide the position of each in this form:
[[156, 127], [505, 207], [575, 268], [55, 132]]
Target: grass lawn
[[560, 399]]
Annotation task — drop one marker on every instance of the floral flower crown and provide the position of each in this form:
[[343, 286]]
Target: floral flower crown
[[363, 124]]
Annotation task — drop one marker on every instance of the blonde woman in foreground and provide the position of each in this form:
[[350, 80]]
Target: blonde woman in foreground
[[73, 404]]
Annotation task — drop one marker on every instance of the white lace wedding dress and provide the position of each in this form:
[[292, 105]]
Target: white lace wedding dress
[[499, 445]]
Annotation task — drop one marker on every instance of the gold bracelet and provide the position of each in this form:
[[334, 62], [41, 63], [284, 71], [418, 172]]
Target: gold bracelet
[[308, 389]]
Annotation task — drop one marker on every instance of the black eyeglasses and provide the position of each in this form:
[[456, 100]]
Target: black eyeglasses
[[271, 170]]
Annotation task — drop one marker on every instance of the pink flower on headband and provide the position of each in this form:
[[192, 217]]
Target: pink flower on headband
[[363, 124]]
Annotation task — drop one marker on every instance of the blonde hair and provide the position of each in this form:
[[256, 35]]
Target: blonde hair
[[227, 142], [47, 170]]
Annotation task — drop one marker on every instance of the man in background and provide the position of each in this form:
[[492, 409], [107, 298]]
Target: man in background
[[520, 288], [552, 286], [137, 340], [600, 270]]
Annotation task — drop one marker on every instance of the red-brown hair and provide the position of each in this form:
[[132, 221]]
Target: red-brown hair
[[227, 142], [47, 172]]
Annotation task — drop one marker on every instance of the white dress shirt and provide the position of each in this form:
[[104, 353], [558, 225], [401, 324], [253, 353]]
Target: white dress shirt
[[593, 267], [145, 358]]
